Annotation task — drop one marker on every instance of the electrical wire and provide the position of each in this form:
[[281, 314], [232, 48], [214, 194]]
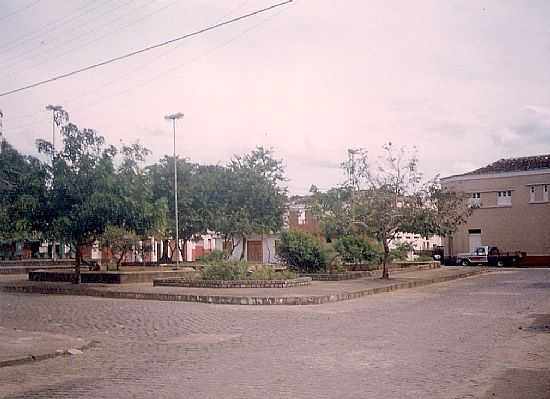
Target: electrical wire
[[25, 56], [31, 4], [25, 117], [143, 50], [52, 25]]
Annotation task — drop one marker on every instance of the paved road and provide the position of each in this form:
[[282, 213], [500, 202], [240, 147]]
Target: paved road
[[481, 337]]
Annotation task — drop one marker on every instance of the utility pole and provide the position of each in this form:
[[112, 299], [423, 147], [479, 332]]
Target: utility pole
[[173, 118]]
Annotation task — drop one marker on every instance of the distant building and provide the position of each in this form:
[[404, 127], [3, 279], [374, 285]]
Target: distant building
[[511, 207]]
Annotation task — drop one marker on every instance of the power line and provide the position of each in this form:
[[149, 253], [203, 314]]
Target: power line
[[31, 4], [52, 26], [143, 50], [27, 124], [27, 55]]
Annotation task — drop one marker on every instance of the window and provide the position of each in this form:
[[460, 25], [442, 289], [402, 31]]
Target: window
[[302, 216], [538, 193], [475, 201], [504, 198]]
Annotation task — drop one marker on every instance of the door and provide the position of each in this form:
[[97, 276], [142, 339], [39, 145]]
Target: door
[[254, 251], [474, 236]]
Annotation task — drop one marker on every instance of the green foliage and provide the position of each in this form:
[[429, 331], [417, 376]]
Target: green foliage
[[401, 251], [225, 270], [239, 270], [424, 258], [268, 273], [23, 188], [301, 252], [356, 249], [120, 240], [333, 210], [214, 256]]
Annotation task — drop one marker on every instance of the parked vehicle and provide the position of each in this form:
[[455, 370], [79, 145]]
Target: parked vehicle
[[489, 256]]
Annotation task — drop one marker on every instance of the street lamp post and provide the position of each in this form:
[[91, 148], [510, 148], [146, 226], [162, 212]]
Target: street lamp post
[[55, 109], [58, 116], [173, 118]]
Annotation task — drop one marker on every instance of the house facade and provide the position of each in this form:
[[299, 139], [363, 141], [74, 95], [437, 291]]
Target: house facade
[[510, 207]]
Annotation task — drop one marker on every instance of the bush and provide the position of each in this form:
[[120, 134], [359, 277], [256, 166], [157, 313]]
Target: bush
[[424, 258], [212, 257], [355, 249], [301, 252], [225, 270], [267, 273], [401, 251]]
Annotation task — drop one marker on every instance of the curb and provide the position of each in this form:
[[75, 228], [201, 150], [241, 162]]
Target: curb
[[235, 300], [32, 358]]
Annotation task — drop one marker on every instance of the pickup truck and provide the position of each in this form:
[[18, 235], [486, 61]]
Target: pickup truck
[[489, 256]]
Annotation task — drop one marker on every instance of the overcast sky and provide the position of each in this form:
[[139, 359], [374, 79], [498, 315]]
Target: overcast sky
[[467, 82]]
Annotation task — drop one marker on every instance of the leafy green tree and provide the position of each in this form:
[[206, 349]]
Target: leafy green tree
[[87, 193], [392, 197], [256, 197], [22, 194], [333, 210], [192, 214], [120, 241]]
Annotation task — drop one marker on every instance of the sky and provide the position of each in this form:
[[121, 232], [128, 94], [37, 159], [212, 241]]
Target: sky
[[464, 82]]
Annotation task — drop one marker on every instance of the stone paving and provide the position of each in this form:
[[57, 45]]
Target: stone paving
[[315, 293], [19, 346], [460, 339]]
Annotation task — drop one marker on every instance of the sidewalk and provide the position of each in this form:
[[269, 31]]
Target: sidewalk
[[318, 292], [19, 346]]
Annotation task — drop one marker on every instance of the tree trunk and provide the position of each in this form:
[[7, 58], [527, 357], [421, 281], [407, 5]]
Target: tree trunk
[[119, 260], [78, 256], [385, 271], [243, 252]]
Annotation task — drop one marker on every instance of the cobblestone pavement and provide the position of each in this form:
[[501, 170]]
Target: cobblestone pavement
[[463, 339]]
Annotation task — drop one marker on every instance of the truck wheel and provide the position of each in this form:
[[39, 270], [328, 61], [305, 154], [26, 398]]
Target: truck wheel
[[500, 263], [465, 262]]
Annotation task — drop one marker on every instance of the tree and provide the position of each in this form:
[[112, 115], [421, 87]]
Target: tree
[[22, 194], [255, 193], [391, 197], [333, 210], [192, 219], [120, 241], [86, 193]]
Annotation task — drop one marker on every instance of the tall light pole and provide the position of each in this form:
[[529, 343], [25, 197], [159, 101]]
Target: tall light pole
[[1, 130], [57, 114], [173, 118]]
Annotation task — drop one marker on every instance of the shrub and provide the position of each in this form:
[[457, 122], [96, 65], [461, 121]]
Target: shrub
[[267, 273], [212, 257], [401, 251], [424, 258], [355, 249], [225, 270], [301, 252]]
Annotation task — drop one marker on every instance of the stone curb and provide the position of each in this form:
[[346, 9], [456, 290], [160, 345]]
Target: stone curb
[[183, 282], [235, 300], [27, 269], [35, 358]]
